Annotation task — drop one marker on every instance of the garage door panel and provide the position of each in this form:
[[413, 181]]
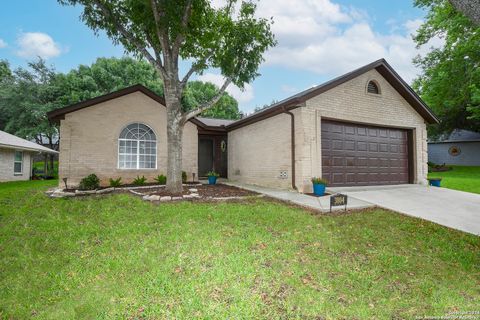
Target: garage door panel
[[354, 154]]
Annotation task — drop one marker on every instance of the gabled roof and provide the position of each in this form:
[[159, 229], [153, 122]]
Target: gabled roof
[[381, 66], [59, 114], [218, 125], [10, 141]]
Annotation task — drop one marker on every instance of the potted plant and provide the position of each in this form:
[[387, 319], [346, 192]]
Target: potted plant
[[434, 182], [212, 177], [319, 185]]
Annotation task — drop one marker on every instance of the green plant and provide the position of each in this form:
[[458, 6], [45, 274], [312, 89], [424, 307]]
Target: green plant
[[115, 182], [140, 181], [212, 174], [184, 176], [161, 179], [90, 182], [319, 180]]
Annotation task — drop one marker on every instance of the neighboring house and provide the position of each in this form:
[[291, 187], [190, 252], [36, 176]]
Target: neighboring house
[[461, 147], [16, 157], [367, 127]]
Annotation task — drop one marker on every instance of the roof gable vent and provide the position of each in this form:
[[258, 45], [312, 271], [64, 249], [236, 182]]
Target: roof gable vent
[[372, 87]]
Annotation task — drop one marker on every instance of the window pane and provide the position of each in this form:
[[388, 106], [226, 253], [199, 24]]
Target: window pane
[[17, 167], [18, 156]]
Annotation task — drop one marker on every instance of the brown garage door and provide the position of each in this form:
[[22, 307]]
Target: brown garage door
[[360, 155]]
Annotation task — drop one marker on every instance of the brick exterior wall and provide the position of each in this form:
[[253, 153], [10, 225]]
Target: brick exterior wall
[[6, 165], [89, 140], [351, 102], [261, 150]]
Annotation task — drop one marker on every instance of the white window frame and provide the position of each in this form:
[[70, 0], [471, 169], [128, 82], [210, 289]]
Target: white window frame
[[138, 150], [15, 161]]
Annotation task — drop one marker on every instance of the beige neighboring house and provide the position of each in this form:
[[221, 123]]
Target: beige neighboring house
[[367, 127], [16, 157]]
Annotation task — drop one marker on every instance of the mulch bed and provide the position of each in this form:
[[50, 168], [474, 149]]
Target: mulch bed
[[205, 190]]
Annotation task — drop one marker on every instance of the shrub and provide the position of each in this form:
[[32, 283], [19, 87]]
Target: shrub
[[115, 182], [184, 176], [212, 174], [140, 181], [90, 182], [161, 179], [319, 180]]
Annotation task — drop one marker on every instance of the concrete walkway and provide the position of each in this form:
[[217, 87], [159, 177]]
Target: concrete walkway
[[451, 208], [317, 203], [455, 209]]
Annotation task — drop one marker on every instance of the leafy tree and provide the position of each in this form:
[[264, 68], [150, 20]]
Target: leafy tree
[[450, 82], [165, 31], [198, 93], [25, 98]]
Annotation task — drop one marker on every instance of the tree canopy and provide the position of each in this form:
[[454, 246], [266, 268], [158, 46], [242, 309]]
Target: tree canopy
[[27, 94], [450, 83]]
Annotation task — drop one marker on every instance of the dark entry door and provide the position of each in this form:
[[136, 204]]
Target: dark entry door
[[205, 156], [361, 155]]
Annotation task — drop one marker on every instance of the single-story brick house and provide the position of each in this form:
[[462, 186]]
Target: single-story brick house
[[16, 157], [461, 147], [367, 127]]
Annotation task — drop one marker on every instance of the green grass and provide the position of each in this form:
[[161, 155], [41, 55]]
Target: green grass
[[460, 178], [119, 257], [40, 165]]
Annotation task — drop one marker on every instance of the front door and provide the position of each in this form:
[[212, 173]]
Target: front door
[[205, 156]]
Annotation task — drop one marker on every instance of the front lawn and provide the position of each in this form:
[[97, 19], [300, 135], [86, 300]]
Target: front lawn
[[120, 257], [460, 178]]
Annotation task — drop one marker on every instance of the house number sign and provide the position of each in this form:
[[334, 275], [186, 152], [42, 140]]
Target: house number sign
[[338, 200]]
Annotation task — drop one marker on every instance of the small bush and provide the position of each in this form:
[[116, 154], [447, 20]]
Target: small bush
[[184, 176], [319, 180], [90, 182], [212, 174], [140, 181], [115, 183], [161, 179]]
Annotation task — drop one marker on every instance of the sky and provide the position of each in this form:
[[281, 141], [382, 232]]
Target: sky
[[317, 41]]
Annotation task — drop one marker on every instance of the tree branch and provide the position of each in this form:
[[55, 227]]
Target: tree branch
[[130, 37], [189, 115], [161, 34], [180, 37], [193, 69]]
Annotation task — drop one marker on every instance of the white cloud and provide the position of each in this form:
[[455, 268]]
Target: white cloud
[[3, 44], [244, 96], [329, 39], [33, 44]]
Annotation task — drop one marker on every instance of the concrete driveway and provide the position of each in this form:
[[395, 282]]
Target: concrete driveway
[[451, 208]]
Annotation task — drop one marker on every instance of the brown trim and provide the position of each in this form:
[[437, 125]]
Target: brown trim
[[412, 164], [292, 147], [59, 114], [380, 65]]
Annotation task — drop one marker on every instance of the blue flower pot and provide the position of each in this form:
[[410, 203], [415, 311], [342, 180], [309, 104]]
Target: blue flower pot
[[212, 180], [435, 182], [319, 189]]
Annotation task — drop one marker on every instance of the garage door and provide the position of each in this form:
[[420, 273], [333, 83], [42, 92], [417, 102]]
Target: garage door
[[361, 155]]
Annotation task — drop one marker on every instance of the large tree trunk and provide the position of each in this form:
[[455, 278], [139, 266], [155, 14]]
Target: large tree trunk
[[470, 8], [175, 126]]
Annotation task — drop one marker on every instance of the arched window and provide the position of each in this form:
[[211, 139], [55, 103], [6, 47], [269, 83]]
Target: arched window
[[373, 87], [137, 147]]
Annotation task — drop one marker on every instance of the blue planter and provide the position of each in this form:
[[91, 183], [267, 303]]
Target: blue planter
[[212, 180], [319, 189], [435, 182]]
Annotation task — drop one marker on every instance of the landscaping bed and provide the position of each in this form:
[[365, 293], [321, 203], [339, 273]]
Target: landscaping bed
[[205, 190]]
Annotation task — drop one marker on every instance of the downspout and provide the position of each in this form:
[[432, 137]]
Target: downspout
[[292, 132]]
